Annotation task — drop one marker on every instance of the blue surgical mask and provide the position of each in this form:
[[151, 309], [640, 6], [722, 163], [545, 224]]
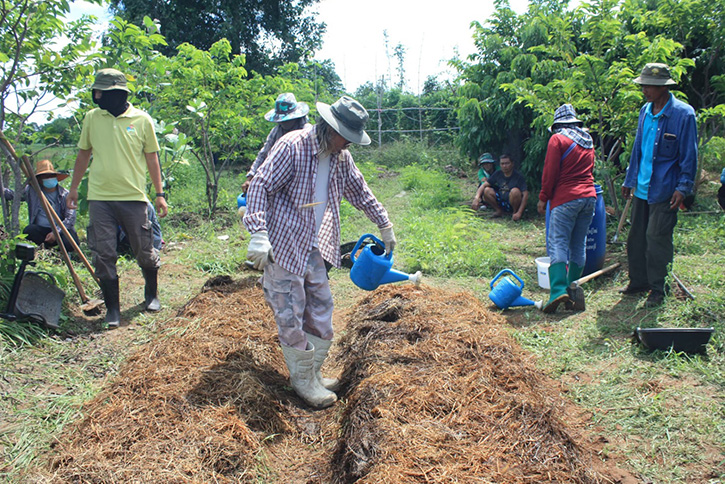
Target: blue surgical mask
[[50, 182]]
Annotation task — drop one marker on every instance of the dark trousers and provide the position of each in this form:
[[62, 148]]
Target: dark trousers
[[37, 234], [649, 245], [104, 218]]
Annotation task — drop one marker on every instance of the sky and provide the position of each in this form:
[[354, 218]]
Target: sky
[[431, 34], [355, 37]]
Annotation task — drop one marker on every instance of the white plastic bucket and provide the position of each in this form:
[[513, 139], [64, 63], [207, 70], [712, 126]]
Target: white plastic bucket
[[542, 271]]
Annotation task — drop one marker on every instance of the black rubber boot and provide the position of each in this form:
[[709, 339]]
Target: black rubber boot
[[151, 296], [109, 287]]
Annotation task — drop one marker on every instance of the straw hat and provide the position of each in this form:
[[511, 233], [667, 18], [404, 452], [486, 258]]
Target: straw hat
[[45, 167], [286, 107], [348, 118]]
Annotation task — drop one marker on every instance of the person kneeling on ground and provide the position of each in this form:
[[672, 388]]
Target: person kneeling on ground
[[567, 184], [39, 229], [295, 198], [504, 191]]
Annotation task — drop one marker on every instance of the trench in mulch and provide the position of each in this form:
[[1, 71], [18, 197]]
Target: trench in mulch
[[434, 390]]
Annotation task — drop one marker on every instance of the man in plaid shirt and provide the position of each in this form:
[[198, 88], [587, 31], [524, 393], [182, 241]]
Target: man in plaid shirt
[[293, 214]]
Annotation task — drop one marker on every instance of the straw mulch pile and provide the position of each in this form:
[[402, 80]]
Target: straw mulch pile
[[189, 406], [434, 391], [441, 393]]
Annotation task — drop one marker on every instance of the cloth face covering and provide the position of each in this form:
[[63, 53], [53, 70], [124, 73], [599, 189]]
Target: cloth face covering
[[113, 101], [50, 182]]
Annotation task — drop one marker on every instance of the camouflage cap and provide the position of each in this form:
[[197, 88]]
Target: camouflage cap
[[486, 158], [655, 74], [108, 79]]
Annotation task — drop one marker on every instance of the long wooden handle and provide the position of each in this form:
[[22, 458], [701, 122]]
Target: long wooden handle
[[27, 167], [623, 217], [598, 273], [29, 172]]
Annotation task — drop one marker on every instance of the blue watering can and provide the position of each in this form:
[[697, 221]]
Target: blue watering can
[[507, 293], [242, 204], [372, 267]]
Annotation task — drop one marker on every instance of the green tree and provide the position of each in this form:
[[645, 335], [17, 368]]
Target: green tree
[[587, 57], [270, 33], [41, 57]]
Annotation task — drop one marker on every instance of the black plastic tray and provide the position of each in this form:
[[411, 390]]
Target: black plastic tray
[[689, 340]]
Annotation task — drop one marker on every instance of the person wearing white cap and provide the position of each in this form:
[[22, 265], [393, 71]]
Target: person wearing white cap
[[293, 214], [289, 115]]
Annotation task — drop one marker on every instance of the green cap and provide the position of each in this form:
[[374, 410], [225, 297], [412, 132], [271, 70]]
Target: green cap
[[108, 79], [486, 158], [655, 74]]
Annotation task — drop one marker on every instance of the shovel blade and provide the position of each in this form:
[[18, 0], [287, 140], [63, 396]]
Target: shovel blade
[[92, 307]]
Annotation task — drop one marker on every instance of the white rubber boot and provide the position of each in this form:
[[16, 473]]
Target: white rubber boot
[[321, 348], [302, 377]]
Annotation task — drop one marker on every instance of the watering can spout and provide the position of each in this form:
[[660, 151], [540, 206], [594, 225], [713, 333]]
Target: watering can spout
[[522, 301], [396, 276]]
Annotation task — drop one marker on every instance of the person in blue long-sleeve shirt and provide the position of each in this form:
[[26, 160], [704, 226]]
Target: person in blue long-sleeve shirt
[[660, 175]]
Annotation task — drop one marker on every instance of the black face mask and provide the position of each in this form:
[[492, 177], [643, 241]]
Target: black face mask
[[113, 101]]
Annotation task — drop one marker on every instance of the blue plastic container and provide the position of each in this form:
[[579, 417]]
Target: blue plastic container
[[507, 293], [242, 200], [596, 235], [373, 267]]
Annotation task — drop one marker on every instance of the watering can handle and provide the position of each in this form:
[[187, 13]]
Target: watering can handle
[[359, 243], [509, 271]]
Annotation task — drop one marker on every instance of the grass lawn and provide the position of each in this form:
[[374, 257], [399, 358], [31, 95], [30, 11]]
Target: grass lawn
[[663, 413]]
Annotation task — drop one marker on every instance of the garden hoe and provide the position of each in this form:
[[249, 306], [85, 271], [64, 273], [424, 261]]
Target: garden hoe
[[88, 306], [576, 293], [622, 218]]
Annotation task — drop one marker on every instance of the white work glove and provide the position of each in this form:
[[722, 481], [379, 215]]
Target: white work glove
[[388, 237], [259, 250]]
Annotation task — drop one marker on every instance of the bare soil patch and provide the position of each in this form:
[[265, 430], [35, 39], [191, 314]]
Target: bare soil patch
[[434, 390]]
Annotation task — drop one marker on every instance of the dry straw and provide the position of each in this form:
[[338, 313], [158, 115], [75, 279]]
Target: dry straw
[[434, 391]]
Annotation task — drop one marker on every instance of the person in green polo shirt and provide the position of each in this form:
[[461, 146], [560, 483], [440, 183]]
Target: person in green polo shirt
[[124, 147]]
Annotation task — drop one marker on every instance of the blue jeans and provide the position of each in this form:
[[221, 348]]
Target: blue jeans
[[568, 226]]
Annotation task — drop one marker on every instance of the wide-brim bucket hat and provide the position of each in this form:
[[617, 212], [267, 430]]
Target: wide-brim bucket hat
[[45, 167], [565, 114], [655, 74], [286, 107], [108, 79], [348, 118]]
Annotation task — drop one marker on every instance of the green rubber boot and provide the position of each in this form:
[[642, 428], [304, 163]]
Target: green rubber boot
[[557, 282], [576, 293]]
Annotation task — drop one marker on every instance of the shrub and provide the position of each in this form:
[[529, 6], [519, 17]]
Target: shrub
[[449, 243]]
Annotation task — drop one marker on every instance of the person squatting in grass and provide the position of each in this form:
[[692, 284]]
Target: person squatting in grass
[[39, 229], [123, 143], [293, 214], [567, 184], [289, 115], [661, 174], [504, 191]]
